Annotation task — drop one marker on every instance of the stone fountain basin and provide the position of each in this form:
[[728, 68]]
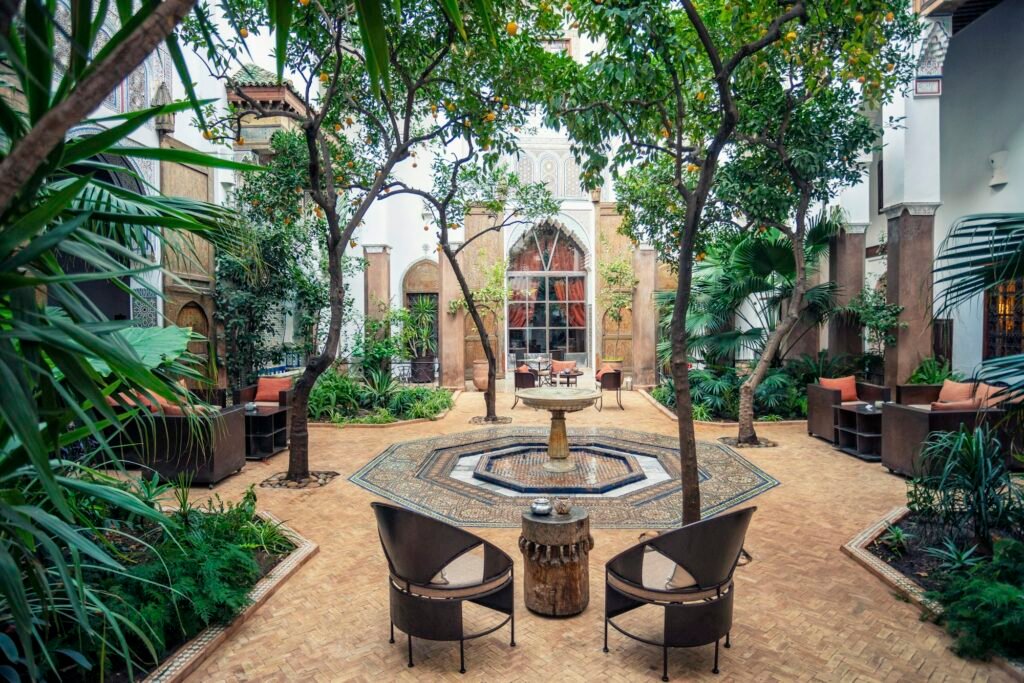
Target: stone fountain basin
[[566, 399]]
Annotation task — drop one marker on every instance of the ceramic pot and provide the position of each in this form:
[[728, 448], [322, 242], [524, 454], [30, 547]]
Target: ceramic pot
[[480, 375], [540, 506], [422, 370], [563, 506]]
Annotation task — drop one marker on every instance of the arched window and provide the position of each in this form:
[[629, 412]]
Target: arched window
[[547, 310]]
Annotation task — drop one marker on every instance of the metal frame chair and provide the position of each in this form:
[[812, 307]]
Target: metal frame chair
[[433, 570], [523, 380], [689, 573], [609, 380]]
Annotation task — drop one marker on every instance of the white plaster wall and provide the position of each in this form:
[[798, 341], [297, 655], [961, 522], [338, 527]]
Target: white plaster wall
[[982, 111]]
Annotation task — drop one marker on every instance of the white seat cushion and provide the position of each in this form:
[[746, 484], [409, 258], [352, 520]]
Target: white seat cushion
[[663, 581], [462, 577]]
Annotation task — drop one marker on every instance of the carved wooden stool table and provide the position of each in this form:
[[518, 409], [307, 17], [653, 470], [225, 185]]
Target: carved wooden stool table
[[555, 550]]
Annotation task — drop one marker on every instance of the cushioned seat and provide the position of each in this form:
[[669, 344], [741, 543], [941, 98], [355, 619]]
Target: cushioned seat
[[463, 577], [663, 581]]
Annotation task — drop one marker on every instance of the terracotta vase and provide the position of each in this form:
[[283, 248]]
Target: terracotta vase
[[480, 375]]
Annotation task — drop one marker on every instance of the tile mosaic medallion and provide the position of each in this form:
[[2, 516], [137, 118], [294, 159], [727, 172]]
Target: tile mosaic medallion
[[626, 479]]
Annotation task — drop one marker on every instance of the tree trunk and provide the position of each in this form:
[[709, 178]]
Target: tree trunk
[[746, 432], [492, 362]]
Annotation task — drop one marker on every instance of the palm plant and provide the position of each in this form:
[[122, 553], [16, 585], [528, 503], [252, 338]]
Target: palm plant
[[72, 378], [982, 253]]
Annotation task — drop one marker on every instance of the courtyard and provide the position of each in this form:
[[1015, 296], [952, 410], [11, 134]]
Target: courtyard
[[804, 611]]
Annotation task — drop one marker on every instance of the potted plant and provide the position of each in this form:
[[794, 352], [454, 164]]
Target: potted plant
[[419, 321], [616, 296], [880, 321]]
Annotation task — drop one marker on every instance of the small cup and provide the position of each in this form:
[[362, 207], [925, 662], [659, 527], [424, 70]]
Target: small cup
[[540, 506], [250, 407], [563, 506], [879, 404]]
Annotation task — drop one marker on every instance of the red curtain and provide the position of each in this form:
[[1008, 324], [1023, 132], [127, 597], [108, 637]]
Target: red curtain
[[559, 289], [517, 315]]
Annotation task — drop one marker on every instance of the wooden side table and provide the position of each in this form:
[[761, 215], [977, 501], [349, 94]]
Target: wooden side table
[[266, 431], [858, 431], [556, 549]]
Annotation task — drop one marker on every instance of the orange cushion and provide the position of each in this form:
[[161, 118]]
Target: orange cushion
[[965, 404], [846, 385], [604, 369], [984, 393], [524, 368], [955, 391], [270, 388], [558, 366]]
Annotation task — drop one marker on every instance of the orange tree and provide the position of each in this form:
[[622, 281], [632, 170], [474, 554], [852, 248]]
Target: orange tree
[[673, 81], [446, 81]]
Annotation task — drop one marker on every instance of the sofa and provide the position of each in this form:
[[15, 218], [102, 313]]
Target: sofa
[[175, 442], [827, 393], [921, 409]]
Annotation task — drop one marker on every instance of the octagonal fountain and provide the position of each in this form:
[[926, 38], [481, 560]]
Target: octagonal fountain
[[558, 401]]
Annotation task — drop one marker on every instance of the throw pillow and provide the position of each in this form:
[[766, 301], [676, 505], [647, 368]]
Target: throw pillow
[[846, 385]]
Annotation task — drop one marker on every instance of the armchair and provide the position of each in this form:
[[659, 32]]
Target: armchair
[[687, 572], [435, 567], [610, 380], [524, 379]]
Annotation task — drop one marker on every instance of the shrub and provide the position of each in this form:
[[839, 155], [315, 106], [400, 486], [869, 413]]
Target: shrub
[[334, 395], [965, 486], [931, 371], [808, 369], [984, 606]]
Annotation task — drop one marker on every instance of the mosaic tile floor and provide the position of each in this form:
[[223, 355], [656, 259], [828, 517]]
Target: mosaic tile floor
[[434, 476]]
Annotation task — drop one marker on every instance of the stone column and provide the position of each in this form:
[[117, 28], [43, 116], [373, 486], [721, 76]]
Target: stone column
[[846, 269], [908, 277], [451, 329], [377, 280], [645, 317]]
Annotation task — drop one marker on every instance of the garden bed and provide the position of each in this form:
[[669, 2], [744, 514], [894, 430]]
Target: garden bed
[[903, 577], [397, 423], [192, 654], [716, 423]]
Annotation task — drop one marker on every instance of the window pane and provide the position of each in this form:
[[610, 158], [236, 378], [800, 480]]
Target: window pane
[[538, 315], [517, 341], [557, 340], [557, 289], [557, 313], [538, 289], [577, 315], [577, 341], [537, 342], [518, 315], [577, 289], [519, 288]]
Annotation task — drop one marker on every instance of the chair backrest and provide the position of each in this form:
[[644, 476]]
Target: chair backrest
[[417, 547], [525, 380], [611, 379], [558, 354], [708, 549]]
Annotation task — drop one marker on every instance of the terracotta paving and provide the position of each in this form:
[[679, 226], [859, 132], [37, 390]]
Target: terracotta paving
[[804, 611]]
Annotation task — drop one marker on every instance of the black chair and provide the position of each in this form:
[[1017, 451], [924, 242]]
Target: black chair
[[610, 380], [523, 380], [435, 567], [689, 573]]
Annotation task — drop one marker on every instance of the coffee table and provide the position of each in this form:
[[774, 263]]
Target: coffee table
[[858, 431], [570, 377], [266, 431], [556, 549]]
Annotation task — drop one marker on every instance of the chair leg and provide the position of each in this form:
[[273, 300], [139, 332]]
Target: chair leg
[[664, 663], [618, 398], [727, 643], [392, 638], [462, 656], [515, 402], [600, 403], [513, 622], [410, 651], [715, 670], [606, 634]]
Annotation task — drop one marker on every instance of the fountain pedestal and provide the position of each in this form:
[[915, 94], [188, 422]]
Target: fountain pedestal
[[559, 401]]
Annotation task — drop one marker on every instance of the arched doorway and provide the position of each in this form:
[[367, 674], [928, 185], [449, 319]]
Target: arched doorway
[[420, 289], [547, 309]]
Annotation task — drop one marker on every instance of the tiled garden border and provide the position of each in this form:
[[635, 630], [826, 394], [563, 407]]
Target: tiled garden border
[[724, 423], [857, 549], [192, 654], [389, 425]]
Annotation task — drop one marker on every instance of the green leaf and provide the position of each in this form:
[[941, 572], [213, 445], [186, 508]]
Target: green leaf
[[154, 346], [184, 156]]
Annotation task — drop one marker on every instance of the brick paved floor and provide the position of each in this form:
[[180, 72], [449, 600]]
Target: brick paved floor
[[804, 611]]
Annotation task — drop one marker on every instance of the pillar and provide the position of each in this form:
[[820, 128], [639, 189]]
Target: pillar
[[909, 284], [377, 280], [451, 330], [645, 317], [846, 269]]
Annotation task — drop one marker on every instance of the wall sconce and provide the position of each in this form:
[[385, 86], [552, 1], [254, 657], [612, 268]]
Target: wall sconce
[[997, 162]]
